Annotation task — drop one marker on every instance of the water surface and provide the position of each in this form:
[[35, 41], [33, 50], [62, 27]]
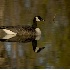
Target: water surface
[[55, 34]]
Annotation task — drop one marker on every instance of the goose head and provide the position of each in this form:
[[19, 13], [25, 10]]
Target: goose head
[[37, 19]]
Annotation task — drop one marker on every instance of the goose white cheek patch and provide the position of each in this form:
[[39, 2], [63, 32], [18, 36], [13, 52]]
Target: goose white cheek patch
[[37, 19]]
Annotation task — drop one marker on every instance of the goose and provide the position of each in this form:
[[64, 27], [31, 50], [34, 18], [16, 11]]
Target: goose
[[24, 33]]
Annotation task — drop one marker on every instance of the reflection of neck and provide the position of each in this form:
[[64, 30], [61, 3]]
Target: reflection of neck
[[34, 24]]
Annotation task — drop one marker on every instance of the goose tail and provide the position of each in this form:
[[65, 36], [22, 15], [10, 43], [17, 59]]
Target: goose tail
[[3, 40], [3, 27], [9, 32]]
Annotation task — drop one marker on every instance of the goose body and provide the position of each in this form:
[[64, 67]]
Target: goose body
[[26, 32], [23, 33]]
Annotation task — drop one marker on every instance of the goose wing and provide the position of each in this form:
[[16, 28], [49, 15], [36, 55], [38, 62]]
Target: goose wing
[[17, 29]]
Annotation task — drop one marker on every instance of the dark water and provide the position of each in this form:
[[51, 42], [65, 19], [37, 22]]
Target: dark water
[[55, 34]]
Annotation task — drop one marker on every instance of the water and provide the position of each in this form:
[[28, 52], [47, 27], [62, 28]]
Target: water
[[55, 34]]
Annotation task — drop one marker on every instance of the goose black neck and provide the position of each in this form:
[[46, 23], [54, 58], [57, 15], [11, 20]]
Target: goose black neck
[[34, 25]]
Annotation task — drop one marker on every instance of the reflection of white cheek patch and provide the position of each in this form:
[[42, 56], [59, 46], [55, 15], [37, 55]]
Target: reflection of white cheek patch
[[37, 19], [37, 48]]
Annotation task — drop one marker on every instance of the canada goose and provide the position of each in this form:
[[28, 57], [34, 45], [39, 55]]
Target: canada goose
[[23, 33]]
